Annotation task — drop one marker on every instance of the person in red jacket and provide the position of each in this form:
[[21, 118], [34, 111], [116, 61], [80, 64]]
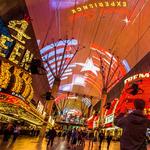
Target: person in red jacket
[[134, 127]]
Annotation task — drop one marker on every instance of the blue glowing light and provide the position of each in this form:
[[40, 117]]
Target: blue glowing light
[[127, 67], [63, 4]]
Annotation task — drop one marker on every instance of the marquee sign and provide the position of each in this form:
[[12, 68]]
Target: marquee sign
[[110, 113], [15, 81], [13, 45], [17, 48], [137, 77], [100, 4], [16, 107], [109, 119]]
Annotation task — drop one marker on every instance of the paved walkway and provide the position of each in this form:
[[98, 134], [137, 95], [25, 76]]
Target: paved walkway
[[59, 144]]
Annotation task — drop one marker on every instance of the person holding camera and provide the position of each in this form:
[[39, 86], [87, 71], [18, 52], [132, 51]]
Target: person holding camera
[[134, 127]]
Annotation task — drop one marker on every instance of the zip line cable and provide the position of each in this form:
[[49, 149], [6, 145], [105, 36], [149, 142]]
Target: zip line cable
[[138, 35], [73, 22], [107, 34], [93, 36], [117, 37], [48, 29], [141, 37]]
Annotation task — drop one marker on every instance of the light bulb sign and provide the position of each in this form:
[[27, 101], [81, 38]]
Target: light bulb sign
[[109, 119], [139, 76], [17, 45], [15, 81], [109, 4], [13, 45]]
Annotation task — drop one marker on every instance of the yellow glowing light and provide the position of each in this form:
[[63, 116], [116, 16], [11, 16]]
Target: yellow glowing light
[[27, 60], [20, 30], [28, 84], [5, 75], [106, 4], [18, 81], [113, 4], [30, 97], [124, 4], [16, 52], [20, 77], [3, 40], [102, 4], [16, 56]]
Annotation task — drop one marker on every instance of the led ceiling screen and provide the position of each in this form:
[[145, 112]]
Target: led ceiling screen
[[122, 31]]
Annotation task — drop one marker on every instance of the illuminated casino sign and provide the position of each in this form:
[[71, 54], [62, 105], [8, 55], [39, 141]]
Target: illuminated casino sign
[[100, 4], [110, 113], [137, 77], [109, 119], [17, 48], [15, 81], [13, 45], [18, 109], [126, 99]]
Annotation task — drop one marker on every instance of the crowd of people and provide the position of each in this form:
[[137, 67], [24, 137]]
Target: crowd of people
[[134, 127], [76, 137], [11, 131]]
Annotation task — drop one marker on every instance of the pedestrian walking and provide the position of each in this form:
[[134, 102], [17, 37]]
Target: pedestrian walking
[[101, 138], [91, 140], [108, 139], [7, 132], [16, 132], [68, 136], [51, 135], [74, 138]]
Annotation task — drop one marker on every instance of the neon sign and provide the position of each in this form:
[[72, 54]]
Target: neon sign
[[12, 46], [40, 107], [109, 119], [16, 81], [100, 4], [137, 76]]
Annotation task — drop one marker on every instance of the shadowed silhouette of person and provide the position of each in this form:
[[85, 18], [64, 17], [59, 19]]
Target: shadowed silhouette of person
[[51, 135], [134, 127]]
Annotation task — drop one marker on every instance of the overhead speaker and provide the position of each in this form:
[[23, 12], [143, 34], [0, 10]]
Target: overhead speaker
[[36, 67], [49, 96]]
